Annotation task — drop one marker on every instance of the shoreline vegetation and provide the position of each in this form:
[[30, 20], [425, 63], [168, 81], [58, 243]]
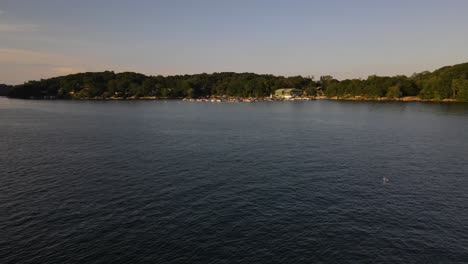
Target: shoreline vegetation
[[219, 99], [447, 84]]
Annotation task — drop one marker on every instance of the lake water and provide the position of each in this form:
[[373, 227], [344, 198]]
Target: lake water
[[267, 182]]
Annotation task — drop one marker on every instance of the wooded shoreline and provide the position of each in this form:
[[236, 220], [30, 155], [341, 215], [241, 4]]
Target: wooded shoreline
[[217, 99], [447, 84]]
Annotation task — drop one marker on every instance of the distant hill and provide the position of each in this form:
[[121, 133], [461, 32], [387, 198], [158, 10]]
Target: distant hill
[[449, 82]]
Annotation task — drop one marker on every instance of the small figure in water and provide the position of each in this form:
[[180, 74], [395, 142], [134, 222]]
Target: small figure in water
[[385, 179]]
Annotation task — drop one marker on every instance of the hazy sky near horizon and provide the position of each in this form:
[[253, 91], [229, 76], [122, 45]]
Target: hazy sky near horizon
[[347, 39]]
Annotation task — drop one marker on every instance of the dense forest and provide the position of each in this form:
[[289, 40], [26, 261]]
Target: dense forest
[[134, 85], [449, 82]]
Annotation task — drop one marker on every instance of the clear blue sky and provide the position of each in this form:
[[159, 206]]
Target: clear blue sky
[[45, 38]]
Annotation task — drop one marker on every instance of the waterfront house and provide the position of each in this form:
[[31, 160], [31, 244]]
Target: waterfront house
[[288, 93]]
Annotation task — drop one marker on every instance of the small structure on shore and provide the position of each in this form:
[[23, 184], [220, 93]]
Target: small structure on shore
[[288, 93]]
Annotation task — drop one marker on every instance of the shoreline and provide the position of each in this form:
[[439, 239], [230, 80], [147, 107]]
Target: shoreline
[[386, 99], [218, 99]]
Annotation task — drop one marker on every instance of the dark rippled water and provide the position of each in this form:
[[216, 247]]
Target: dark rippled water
[[279, 182]]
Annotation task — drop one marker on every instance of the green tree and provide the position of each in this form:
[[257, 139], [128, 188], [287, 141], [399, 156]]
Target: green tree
[[394, 92], [460, 89]]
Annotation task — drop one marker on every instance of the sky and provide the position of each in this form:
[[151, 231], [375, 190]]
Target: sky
[[345, 39]]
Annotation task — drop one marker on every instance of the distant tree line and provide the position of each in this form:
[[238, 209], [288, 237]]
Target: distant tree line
[[446, 83], [133, 85], [4, 89], [449, 82]]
